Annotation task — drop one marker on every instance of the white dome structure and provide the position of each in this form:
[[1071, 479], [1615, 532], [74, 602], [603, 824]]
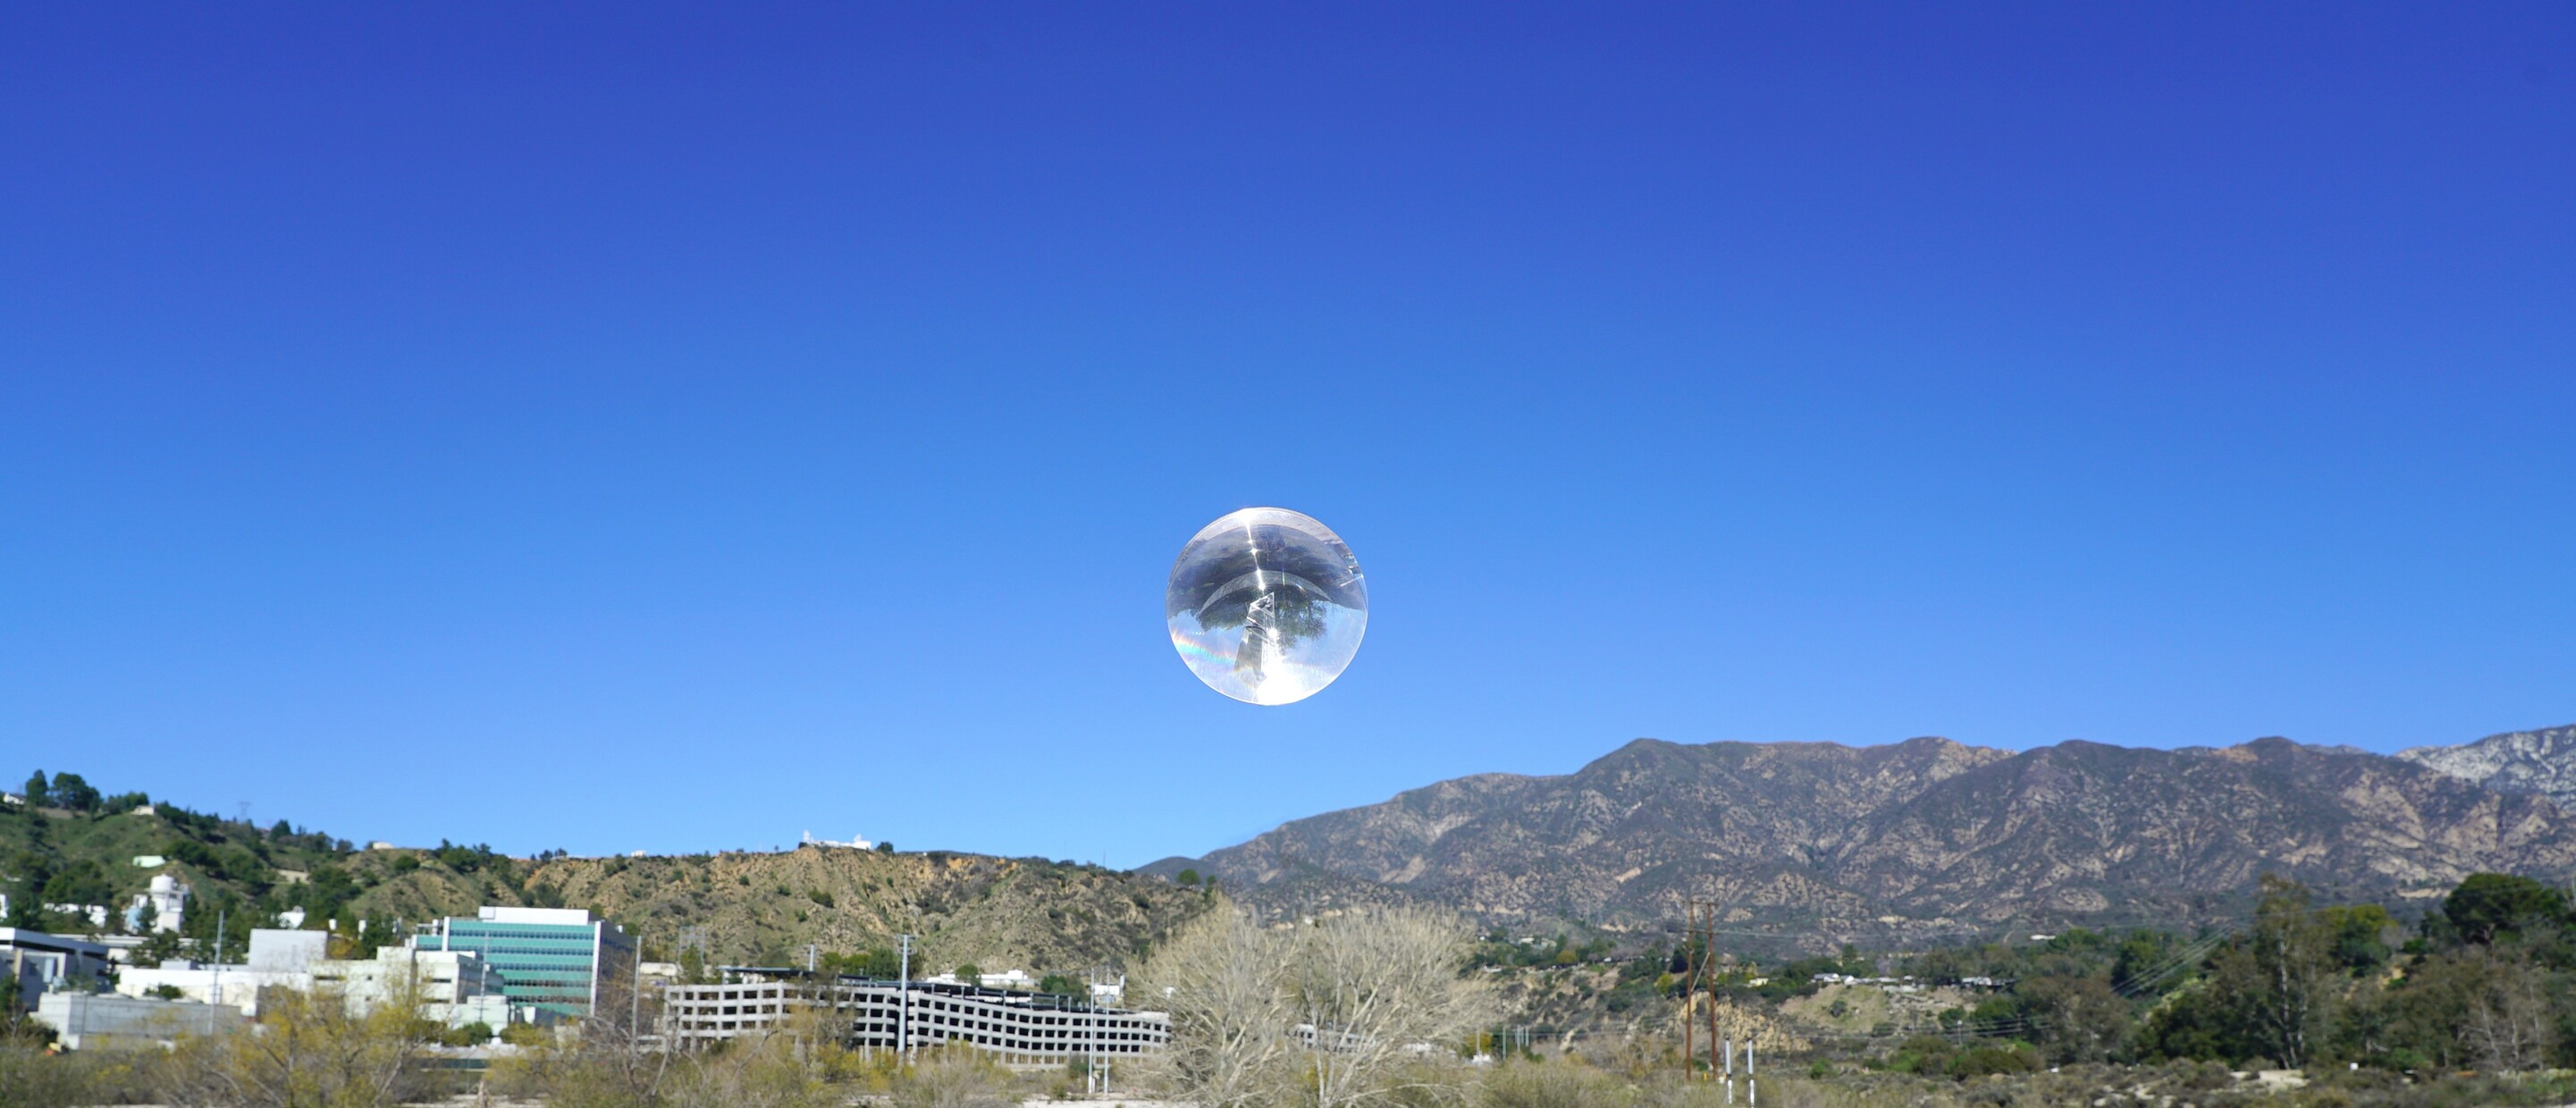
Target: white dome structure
[[169, 901]]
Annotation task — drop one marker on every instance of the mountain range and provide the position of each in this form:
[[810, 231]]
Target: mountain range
[[1927, 838], [1799, 845]]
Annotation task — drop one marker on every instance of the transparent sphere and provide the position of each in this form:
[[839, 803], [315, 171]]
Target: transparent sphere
[[1266, 605]]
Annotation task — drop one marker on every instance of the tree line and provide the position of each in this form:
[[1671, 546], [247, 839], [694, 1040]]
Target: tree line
[[2486, 981]]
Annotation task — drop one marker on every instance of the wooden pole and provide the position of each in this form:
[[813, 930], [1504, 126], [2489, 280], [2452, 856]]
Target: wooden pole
[[1708, 959], [1690, 980]]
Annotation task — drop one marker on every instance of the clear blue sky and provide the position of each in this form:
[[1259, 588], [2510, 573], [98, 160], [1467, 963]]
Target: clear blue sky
[[610, 427]]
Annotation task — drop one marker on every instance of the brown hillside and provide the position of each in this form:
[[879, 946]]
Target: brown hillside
[[998, 913]]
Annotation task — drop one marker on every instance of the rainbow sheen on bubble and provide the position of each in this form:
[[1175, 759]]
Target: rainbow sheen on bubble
[[1266, 605]]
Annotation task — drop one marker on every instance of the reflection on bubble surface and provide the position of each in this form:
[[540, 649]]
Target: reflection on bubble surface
[[1266, 605]]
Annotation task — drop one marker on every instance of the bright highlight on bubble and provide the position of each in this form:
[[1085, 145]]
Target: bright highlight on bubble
[[1266, 605]]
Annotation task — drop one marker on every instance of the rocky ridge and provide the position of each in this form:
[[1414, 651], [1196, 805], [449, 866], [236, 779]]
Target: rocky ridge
[[1916, 840], [2542, 762]]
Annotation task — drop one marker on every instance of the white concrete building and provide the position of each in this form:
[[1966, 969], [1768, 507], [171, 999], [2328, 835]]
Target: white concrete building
[[168, 899], [287, 951], [1007, 979], [91, 1021], [278, 960], [453, 987], [855, 842], [96, 914]]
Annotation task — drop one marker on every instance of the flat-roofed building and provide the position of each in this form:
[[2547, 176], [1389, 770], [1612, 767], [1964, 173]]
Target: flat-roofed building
[[1018, 1028], [45, 963], [557, 959], [278, 950], [452, 987], [91, 1021], [279, 959]]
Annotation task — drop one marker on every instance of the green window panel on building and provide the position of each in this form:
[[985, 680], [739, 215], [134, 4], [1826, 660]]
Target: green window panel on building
[[556, 959]]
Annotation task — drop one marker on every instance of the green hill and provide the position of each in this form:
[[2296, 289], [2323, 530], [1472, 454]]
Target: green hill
[[68, 844]]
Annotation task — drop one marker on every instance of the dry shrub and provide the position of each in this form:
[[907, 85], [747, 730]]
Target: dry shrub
[[1741, 1025], [772, 1071], [32, 1078], [1572, 1084], [802, 1065], [307, 1051], [1554, 1085], [584, 1073], [954, 1078]]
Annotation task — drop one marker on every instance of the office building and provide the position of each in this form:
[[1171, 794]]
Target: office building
[[558, 959]]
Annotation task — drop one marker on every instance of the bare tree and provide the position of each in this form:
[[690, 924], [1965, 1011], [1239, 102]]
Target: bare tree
[[1354, 1010], [1379, 993], [1219, 979], [2510, 1028]]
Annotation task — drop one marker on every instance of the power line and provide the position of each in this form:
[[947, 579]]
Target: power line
[[2140, 981]]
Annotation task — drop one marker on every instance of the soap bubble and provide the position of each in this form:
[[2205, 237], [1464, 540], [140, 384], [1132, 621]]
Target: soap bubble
[[1266, 605]]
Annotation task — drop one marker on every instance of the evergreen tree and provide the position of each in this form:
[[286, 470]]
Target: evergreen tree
[[2487, 905], [69, 791]]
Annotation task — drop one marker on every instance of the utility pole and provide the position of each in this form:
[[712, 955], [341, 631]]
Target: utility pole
[[1699, 981], [218, 989], [1708, 966], [1096, 1073], [635, 994], [1097, 1023], [1690, 980], [903, 998]]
